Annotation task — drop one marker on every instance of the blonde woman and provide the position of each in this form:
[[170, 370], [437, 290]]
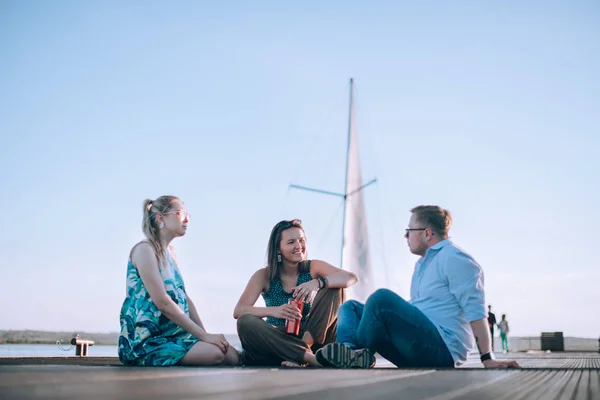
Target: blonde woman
[[159, 322]]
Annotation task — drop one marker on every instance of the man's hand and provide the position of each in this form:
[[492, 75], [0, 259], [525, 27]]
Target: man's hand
[[501, 364]]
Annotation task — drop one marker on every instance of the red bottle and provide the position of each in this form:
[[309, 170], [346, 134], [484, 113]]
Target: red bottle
[[292, 327]]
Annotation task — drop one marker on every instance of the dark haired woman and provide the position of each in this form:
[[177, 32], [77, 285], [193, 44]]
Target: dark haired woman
[[290, 274]]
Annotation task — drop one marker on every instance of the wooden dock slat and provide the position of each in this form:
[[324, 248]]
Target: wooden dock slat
[[559, 377], [582, 388], [594, 384]]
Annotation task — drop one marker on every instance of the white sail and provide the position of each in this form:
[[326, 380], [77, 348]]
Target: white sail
[[355, 253]]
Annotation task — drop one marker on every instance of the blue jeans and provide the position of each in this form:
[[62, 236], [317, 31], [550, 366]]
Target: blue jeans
[[397, 330]]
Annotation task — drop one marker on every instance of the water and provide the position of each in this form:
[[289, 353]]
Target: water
[[52, 350]]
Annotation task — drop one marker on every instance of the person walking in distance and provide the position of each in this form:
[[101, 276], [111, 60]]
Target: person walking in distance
[[491, 322], [503, 326]]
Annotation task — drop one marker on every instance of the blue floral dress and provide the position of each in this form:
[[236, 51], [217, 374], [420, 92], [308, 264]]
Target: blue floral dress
[[147, 336]]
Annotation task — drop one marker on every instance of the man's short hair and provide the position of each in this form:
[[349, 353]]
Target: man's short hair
[[435, 218]]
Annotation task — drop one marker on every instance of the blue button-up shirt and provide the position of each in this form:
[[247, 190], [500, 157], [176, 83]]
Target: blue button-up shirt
[[447, 286]]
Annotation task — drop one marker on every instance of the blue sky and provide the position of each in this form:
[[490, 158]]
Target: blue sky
[[490, 110]]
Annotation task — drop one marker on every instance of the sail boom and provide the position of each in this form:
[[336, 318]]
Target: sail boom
[[317, 190], [362, 187]]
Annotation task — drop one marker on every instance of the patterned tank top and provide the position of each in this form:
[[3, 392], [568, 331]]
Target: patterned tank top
[[277, 296]]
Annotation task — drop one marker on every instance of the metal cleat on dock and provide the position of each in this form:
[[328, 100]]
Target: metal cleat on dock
[[81, 346]]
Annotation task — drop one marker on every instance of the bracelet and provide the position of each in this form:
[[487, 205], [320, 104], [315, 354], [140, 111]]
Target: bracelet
[[486, 356], [322, 280]]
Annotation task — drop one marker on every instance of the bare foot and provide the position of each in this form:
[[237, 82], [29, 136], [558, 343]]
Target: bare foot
[[290, 364], [308, 339], [311, 360]]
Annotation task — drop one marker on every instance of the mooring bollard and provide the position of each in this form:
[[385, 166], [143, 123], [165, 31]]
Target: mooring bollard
[[81, 346]]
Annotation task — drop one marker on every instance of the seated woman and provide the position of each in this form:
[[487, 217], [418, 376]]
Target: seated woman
[[290, 275], [159, 322]]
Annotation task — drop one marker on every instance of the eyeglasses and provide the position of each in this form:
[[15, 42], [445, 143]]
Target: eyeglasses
[[182, 214], [408, 230]]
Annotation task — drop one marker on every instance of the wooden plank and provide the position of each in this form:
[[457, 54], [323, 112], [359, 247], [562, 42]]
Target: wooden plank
[[76, 382], [541, 360], [555, 376]]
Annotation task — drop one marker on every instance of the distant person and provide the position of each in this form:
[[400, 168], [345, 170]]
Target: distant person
[[290, 274], [436, 328], [503, 326], [160, 325], [491, 323]]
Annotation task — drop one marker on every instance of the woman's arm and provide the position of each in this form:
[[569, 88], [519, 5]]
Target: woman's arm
[[191, 306], [335, 278], [194, 313], [145, 261], [256, 285]]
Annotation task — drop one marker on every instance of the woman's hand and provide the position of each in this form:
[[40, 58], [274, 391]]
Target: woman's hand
[[305, 291], [287, 311], [218, 340]]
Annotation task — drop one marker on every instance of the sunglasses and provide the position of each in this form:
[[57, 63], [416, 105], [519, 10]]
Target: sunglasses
[[288, 224], [182, 214]]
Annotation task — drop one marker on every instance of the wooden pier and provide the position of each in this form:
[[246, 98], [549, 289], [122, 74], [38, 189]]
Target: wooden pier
[[543, 376]]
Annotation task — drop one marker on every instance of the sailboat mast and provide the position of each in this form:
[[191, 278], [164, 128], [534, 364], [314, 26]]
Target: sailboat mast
[[350, 107]]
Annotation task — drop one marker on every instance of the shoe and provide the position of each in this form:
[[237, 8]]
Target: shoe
[[339, 355]]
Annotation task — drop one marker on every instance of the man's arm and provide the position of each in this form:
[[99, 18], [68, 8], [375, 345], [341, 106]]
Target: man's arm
[[484, 345], [465, 278], [482, 336]]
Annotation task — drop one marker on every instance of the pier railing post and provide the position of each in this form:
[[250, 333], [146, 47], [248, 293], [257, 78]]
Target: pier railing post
[[81, 346]]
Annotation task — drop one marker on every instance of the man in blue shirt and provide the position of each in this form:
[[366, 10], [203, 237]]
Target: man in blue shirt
[[438, 326]]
